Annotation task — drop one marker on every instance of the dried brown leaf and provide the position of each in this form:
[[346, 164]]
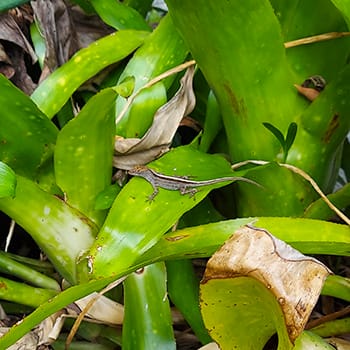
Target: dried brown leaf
[[156, 141], [65, 29], [15, 45]]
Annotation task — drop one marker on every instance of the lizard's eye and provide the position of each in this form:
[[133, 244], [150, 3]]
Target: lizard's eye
[[316, 82]]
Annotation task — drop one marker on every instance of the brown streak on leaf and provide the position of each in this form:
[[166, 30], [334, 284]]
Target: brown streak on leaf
[[333, 125], [176, 238], [233, 99]]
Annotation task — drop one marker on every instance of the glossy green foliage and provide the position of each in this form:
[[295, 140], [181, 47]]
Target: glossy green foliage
[[110, 233], [7, 181], [162, 50], [121, 240], [12, 267], [118, 15], [308, 236], [256, 85], [18, 293], [147, 323], [185, 298], [300, 19], [22, 123], [83, 154], [230, 304], [58, 229], [54, 92]]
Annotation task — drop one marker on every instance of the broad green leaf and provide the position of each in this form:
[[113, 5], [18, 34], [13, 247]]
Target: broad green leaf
[[306, 235], [121, 240], [60, 231], [256, 86], [252, 87], [54, 91], [83, 154], [147, 323], [119, 15], [162, 50], [27, 137], [7, 181], [282, 192], [343, 7], [302, 19]]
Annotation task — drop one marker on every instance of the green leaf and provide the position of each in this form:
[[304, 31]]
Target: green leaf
[[167, 50], [213, 122], [338, 287], [54, 91], [343, 7], [309, 236], [27, 137], [7, 181], [126, 87], [18, 292], [147, 323], [183, 289], [320, 210], [301, 19], [311, 341], [105, 198], [28, 274], [83, 154], [291, 133], [233, 309], [119, 16], [264, 92], [279, 136], [115, 248], [60, 231]]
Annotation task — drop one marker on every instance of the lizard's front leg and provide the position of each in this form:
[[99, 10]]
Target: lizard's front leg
[[150, 198]]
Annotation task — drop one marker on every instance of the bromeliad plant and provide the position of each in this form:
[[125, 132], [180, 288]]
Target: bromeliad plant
[[56, 180]]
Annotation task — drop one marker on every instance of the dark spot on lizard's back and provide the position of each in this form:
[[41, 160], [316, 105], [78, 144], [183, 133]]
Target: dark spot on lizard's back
[[332, 126], [238, 105]]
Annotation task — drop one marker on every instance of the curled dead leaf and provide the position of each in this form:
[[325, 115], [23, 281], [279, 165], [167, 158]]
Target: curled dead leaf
[[295, 280], [156, 141]]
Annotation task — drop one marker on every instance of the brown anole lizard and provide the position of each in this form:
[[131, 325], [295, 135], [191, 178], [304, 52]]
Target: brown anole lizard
[[178, 183]]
